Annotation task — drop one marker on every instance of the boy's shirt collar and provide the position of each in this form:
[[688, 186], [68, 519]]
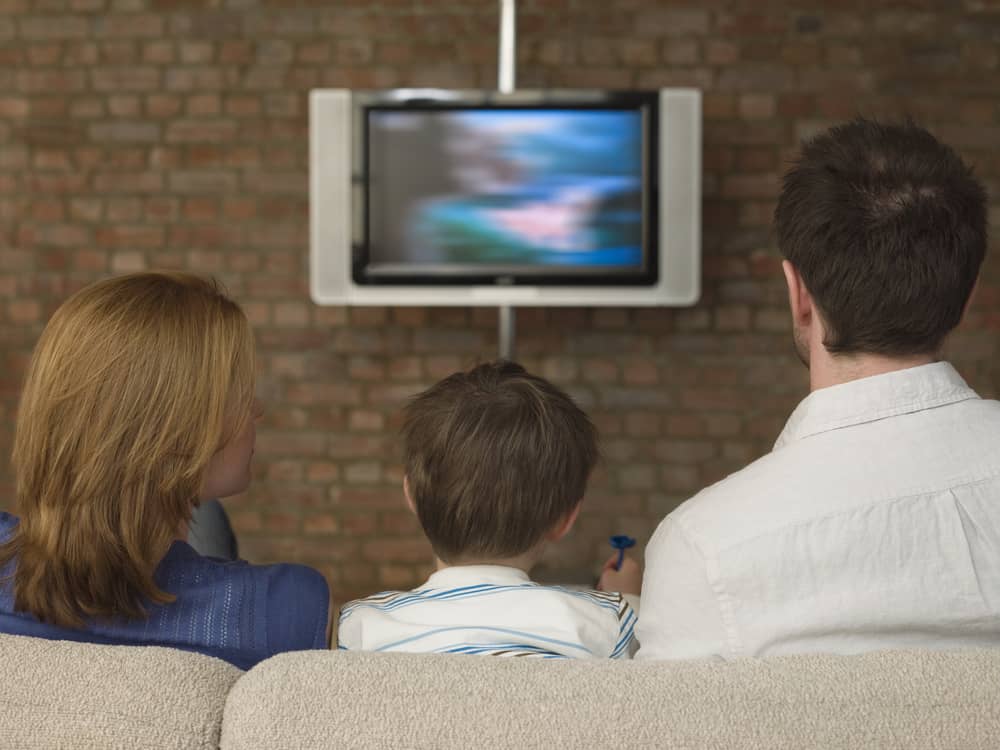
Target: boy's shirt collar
[[464, 575]]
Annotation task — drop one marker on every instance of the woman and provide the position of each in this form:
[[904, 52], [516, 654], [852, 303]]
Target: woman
[[138, 404]]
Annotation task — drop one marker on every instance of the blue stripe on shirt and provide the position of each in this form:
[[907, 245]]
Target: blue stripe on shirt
[[531, 636], [465, 592]]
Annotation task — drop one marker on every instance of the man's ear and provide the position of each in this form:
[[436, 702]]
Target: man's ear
[[564, 524], [968, 302], [799, 300], [406, 493]]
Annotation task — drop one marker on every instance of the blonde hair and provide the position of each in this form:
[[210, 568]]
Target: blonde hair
[[135, 383]]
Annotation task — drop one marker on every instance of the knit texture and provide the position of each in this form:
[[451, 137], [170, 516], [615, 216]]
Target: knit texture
[[59, 694], [922, 700]]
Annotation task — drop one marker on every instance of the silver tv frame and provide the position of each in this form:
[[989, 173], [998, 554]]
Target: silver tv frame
[[336, 204]]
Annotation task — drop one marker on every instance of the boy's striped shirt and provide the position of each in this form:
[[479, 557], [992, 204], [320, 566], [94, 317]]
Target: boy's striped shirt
[[491, 609]]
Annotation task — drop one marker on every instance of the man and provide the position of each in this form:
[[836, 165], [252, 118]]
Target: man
[[875, 521]]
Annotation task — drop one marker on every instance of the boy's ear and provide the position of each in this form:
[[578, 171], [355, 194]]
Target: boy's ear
[[407, 495], [564, 524]]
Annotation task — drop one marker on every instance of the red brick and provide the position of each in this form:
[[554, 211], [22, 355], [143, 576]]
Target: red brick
[[366, 421], [50, 81], [322, 471], [291, 314], [45, 54], [757, 106], [201, 131], [397, 550], [117, 53], [194, 52], [53, 27], [204, 105], [751, 186], [208, 261], [401, 522], [203, 181], [638, 52], [320, 523], [158, 52], [123, 236], [125, 131], [163, 105], [86, 108], [243, 106], [61, 235], [90, 260], [133, 25], [669, 22], [201, 209], [721, 52], [234, 51], [127, 78], [288, 470], [682, 52], [642, 424], [405, 368], [678, 478], [24, 311], [52, 159], [128, 262], [47, 211]]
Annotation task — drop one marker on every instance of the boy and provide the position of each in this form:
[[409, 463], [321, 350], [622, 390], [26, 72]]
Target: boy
[[497, 461]]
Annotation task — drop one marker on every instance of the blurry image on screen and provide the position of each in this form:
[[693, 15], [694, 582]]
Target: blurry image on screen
[[483, 187]]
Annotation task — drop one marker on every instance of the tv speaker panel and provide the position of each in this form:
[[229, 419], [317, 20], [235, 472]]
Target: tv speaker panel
[[335, 199]]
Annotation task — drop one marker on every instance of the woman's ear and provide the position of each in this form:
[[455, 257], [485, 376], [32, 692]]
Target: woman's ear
[[407, 495], [564, 524]]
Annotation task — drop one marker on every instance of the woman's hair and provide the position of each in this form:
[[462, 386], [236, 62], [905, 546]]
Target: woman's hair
[[135, 383]]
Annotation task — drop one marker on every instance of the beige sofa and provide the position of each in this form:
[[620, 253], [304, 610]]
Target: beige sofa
[[67, 695]]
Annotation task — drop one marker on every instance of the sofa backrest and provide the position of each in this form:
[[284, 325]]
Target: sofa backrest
[[325, 700], [59, 694]]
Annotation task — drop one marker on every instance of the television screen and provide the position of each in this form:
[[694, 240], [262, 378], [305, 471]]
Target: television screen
[[508, 194]]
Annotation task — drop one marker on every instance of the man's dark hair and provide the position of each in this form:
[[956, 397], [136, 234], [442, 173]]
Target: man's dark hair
[[495, 457], [887, 227]]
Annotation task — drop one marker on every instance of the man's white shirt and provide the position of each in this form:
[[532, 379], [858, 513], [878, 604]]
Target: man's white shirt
[[490, 609], [874, 523]]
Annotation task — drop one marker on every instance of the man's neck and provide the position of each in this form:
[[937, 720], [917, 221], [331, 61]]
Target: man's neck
[[826, 369]]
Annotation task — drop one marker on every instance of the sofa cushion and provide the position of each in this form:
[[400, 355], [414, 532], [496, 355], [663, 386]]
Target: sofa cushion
[[80, 695], [364, 700]]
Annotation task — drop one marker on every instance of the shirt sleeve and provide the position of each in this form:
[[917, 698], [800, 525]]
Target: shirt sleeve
[[626, 644], [298, 602], [682, 617], [348, 630]]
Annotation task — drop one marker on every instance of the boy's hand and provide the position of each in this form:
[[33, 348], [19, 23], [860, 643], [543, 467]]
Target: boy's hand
[[628, 580]]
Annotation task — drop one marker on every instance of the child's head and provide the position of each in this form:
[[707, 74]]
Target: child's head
[[496, 459]]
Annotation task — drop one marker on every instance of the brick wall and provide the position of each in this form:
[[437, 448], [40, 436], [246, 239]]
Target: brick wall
[[172, 133]]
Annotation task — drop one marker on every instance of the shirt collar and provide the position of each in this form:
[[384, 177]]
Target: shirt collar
[[874, 398], [464, 575]]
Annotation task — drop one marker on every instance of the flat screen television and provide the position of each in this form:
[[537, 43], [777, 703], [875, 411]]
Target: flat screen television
[[534, 197]]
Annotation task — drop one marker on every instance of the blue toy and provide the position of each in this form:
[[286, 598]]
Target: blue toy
[[621, 542]]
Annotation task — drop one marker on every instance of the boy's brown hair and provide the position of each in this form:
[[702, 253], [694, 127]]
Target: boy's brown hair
[[495, 457]]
